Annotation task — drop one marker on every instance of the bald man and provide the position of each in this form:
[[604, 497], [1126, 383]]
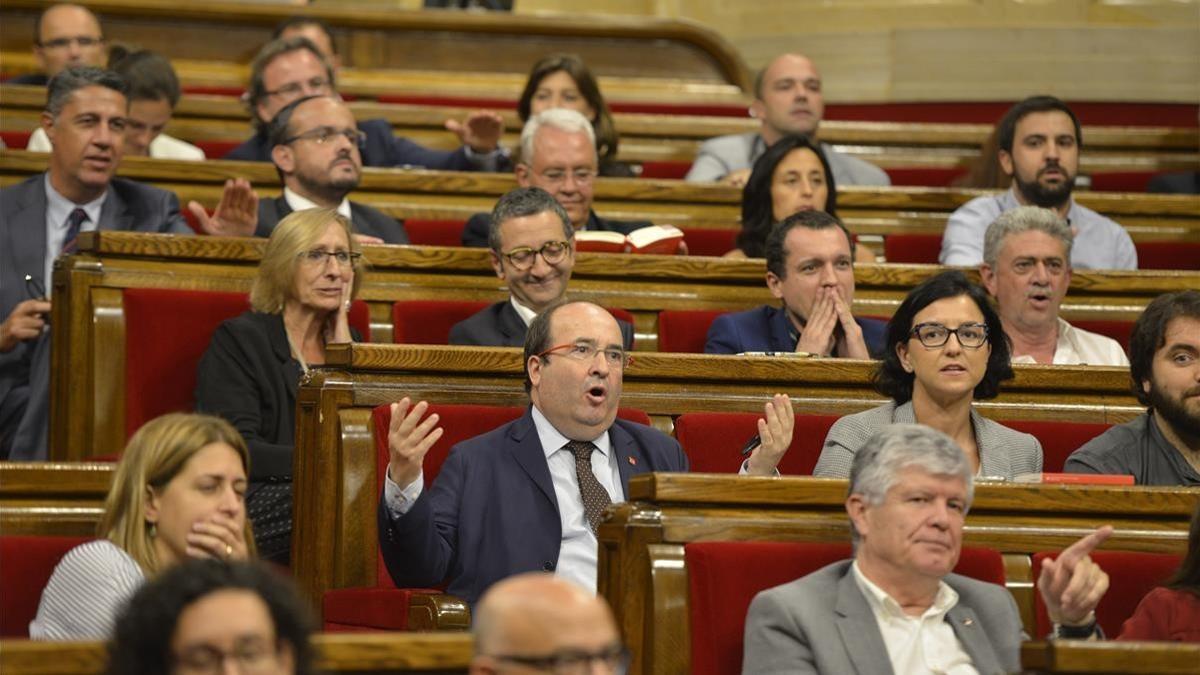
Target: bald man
[[536, 621], [65, 35], [787, 101]]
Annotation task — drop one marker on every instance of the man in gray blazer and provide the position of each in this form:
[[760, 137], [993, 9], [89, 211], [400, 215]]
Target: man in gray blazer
[[897, 607]]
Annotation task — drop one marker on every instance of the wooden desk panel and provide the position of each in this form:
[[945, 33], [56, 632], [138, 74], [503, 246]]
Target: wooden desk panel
[[55, 499]]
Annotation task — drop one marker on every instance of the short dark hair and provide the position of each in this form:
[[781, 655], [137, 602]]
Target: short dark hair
[[301, 21], [758, 215], [537, 338], [141, 643], [1150, 334], [573, 65], [271, 51], [890, 378], [67, 82], [1006, 130], [776, 252], [149, 74], [521, 202]]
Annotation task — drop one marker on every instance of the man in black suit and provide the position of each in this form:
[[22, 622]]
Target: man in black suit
[[532, 246], [291, 68], [65, 35], [558, 155]]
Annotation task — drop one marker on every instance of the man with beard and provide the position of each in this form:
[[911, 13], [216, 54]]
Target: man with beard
[[1027, 269], [1162, 446], [316, 148], [1039, 141]]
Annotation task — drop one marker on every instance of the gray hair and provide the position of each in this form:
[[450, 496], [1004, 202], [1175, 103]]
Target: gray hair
[[1025, 219], [71, 80], [562, 119], [523, 202], [877, 465]]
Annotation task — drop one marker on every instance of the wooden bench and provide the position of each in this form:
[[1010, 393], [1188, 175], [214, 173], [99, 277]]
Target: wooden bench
[[53, 498], [643, 574], [1079, 657]]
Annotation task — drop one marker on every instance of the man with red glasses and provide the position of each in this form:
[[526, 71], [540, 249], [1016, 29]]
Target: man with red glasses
[[529, 495]]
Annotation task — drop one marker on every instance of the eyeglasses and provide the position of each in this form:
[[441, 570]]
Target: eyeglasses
[[582, 351], [62, 43], [574, 662], [251, 656], [319, 85], [324, 135], [559, 176], [971, 335], [318, 257], [552, 252]]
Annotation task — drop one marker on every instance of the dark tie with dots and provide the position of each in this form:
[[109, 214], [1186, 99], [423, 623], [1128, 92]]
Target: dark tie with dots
[[74, 222], [595, 497]]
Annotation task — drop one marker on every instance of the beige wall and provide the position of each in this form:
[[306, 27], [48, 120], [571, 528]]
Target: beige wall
[[899, 50]]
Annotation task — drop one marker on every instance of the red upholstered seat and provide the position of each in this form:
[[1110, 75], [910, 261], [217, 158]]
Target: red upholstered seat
[[428, 322], [1058, 439], [724, 577], [924, 176], [1130, 575], [166, 333], [665, 170], [1117, 330], [710, 242], [684, 331], [918, 249], [217, 149], [1168, 255], [435, 232], [713, 441], [16, 140], [28, 562], [1120, 181]]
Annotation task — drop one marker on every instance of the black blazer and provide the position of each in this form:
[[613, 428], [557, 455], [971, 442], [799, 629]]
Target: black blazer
[[499, 325], [475, 234], [366, 220]]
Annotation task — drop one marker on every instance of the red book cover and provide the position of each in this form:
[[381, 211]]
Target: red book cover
[[1087, 478]]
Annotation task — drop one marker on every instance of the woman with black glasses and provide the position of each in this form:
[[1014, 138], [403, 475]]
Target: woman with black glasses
[[300, 300], [945, 349]]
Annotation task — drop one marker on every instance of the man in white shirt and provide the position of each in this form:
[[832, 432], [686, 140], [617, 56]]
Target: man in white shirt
[[897, 607], [1027, 268]]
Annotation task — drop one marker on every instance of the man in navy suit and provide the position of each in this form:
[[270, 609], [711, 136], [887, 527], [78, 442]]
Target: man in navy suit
[[528, 496], [810, 269]]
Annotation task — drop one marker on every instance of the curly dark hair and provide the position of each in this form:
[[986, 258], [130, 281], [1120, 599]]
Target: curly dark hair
[[758, 216], [1150, 334], [573, 65], [141, 643], [890, 378]]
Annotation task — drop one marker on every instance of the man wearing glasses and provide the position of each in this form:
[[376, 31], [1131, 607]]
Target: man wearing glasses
[[529, 495], [531, 241], [65, 36], [292, 68], [558, 155]]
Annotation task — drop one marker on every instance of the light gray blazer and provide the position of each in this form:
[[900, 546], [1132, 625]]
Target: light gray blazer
[[1002, 451], [822, 623]]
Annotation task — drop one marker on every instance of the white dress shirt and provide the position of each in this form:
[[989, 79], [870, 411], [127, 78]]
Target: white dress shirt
[[299, 203], [58, 208], [1078, 347], [917, 645], [527, 315]]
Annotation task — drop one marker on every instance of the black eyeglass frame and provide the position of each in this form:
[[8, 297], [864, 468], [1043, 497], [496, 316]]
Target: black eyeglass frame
[[916, 332]]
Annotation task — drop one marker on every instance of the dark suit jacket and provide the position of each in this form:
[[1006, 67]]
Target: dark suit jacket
[[25, 371], [382, 148], [475, 234], [499, 325], [1180, 183], [822, 623], [767, 329], [367, 220], [492, 513], [34, 79]]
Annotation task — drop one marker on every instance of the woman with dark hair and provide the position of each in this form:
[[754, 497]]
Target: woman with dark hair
[[945, 349], [1172, 611], [792, 175], [564, 81]]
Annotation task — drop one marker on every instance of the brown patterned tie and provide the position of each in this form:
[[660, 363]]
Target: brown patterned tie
[[595, 497]]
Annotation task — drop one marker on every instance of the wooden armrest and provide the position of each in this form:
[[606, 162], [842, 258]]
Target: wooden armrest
[[438, 612]]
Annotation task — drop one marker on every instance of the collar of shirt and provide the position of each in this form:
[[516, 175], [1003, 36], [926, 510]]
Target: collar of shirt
[[886, 608], [527, 315], [1064, 347], [299, 203], [553, 441]]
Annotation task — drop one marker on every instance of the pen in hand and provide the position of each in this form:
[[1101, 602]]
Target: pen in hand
[[750, 445]]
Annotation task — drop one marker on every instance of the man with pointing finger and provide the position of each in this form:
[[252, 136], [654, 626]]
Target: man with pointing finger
[[897, 607]]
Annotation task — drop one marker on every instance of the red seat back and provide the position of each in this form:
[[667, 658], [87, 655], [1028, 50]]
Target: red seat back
[[917, 249], [28, 562], [1131, 576], [713, 441], [1120, 331], [710, 242], [665, 170], [1168, 255], [428, 322], [166, 333], [724, 577], [216, 149], [434, 232], [685, 331], [1058, 439], [16, 140], [1120, 181], [924, 176]]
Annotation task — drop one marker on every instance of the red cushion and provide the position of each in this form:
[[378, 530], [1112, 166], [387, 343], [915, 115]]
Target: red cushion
[[28, 562], [925, 176], [707, 241], [428, 322], [450, 101], [713, 441], [435, 232], [989, 112], [166, 333], [216, 149], [919, 249], [685, 331], [1058, 439], [213, 90], [1117, 330], [368, 609], [665, 170], [1130, 577], [1168, 255], [16, 140], [1120, 181]]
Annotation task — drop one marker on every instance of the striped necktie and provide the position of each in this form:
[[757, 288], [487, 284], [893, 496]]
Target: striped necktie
[[74, 222]]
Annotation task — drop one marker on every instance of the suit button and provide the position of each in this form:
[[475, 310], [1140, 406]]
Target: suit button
[[547, 566]]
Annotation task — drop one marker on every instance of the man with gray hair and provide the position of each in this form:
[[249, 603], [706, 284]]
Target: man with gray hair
[[558, 155], [1027, 268], [532, 247], [897, 607]]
